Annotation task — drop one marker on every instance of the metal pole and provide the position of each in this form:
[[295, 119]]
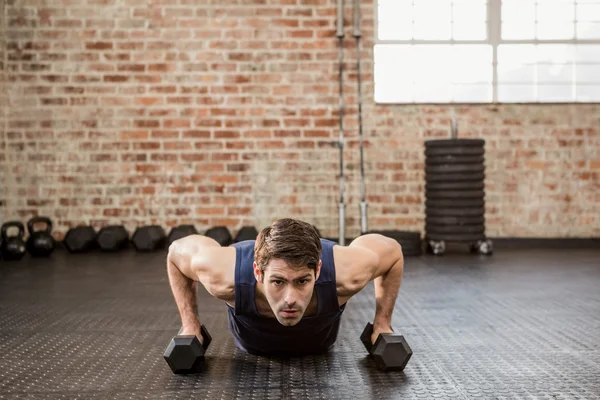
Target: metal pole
[[363, 203], [341, 206]]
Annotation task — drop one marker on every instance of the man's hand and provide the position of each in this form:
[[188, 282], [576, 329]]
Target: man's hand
[[193, 329], [377, 329]]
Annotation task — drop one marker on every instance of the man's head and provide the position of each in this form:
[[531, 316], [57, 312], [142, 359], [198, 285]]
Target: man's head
[[287, 261]]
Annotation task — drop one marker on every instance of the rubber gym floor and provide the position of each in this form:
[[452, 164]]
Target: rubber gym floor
[[521, 324]]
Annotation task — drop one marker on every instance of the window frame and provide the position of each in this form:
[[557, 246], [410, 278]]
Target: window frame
[[494, 39]]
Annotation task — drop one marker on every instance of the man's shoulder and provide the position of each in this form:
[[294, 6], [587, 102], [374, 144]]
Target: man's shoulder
[[352, 268]]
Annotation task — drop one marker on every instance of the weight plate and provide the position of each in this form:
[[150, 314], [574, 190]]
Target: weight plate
[[441, 203], [466, 237], [450, 169], [457, 177], [457, 151], [455, 212], [455, 194], [455, 229], [474, 185], [469, 220], [452, 159], [455, 142]]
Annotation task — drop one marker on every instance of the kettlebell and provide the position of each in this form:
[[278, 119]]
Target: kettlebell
[[40, 243], [13, 247]]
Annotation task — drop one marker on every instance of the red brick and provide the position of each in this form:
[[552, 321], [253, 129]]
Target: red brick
[[99, 45]]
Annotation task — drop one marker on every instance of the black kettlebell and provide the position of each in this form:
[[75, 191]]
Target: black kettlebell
[[13, 247], [40, 243]]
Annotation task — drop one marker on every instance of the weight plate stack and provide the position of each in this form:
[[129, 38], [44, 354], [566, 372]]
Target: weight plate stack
[[455, 193]]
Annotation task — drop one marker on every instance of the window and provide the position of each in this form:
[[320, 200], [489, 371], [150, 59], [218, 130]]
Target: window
[[477, 51]]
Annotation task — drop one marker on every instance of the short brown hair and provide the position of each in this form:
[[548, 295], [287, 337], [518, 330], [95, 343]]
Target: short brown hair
[[291, 240]]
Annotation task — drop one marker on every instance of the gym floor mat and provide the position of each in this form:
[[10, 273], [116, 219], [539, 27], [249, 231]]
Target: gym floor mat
[[521, 324]]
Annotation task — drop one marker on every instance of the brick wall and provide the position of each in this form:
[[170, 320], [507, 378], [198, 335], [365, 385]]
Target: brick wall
[[216, 112]]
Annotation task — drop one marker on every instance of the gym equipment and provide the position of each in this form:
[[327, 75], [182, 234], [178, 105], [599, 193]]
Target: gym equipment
[[390, 351], [363, 202], [453, 159], [181, 231], [149, 238], [455, 193], [246, 233], [340, 36], [13, 247], [221, 234], [80, 239], [185, 354], [40, 242], [113, 238], [433, 186]]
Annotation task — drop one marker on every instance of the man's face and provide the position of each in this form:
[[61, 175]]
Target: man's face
[[288, 290]]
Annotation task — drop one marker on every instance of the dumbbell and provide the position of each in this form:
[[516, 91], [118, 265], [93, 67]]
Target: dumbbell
[[12, 247], [112, 238], [80, 239], [390, 350], [246, 233], [181, 231], [185, 354], [221, 234], [149, 238]]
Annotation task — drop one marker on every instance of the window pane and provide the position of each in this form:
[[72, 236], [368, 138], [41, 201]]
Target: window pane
[[472, 93], [588, 93], [555, 53], [395, 20], [432, 20], [516, 73], [588, 30], [555, 30], [589, 73], [518, 54], [469, 11], [556, 11], [587, 52], [433, 93], [588, 11], [433, 73], [395, 30], [548, 73], [469, 30], [518, 19], [555, 93], [516, 93]]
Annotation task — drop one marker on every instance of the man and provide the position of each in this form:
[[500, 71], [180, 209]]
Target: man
[[287, 290]]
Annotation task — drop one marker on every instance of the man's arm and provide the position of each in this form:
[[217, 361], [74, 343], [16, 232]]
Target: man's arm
[[190, 260], [386, 270]]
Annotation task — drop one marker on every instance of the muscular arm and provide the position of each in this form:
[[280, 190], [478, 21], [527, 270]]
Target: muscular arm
[[385, 265], [186, 265]]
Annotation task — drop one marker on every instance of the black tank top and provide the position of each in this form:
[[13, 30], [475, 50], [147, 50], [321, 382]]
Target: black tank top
[[266, 336]]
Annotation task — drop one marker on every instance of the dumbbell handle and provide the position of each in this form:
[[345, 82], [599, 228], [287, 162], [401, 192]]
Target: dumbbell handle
[[366, 337], [206, 338]]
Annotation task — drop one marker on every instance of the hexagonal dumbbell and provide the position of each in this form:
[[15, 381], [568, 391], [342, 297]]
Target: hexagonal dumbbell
[[221, 234], [246, 233], [113, 238], [185, 354], [80, 239], [390, 351], [181, 231], [149, 238]]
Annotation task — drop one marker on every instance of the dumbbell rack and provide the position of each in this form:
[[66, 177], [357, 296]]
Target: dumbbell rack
[[455, 194]]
